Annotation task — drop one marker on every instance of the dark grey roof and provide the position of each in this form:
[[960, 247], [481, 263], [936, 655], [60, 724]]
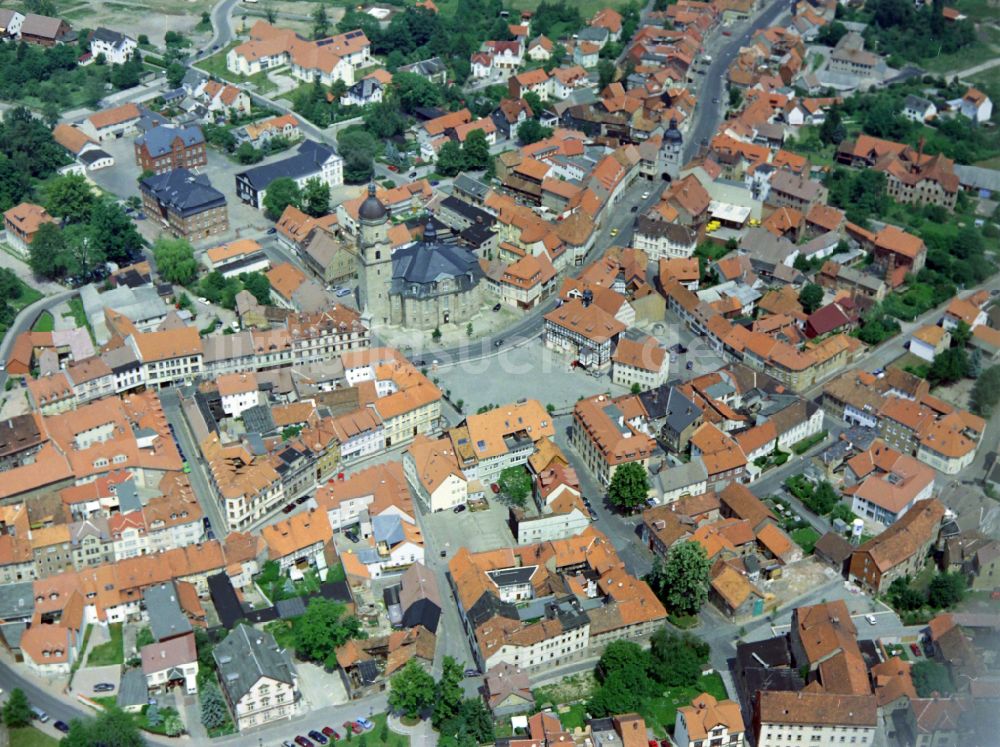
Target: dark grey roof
[[673, 135], [93, 156], [224, 599], [418, 268], [166, 619], [467, 210], [509, 576], [681, 412], [107, 35], [132, 689], [306, 161], [978, 177], [372, 210], [159, 140], [257, 419], [433, 66], [365, 88], [917, 103], [17, 601], [289, 608], [245, 656], [183, 192], [593, 34], [473, 187]]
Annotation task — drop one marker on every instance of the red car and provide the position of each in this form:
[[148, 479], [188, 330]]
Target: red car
[[354, 726], [653, 743], [916, 649], [331, 732], [727, 33], [495, 488], [392, 168]]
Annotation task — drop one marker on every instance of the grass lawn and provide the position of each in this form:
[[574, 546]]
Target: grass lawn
[[663, 711], [44, 323], [29, 736], [375, 735], [587, 8], [27, 296], [805, 538], [105, 700], [216, 65], [964, 58], [336, 573], [108, 653], [574, 717], [684, 622]]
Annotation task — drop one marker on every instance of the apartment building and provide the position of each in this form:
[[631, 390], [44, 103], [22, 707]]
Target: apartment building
[[168, 357], [21, 223], [610, 432], [883, 484], [167, 147], [781, 717], [186, 204], [643, 363], [116, 47], [258, 679]]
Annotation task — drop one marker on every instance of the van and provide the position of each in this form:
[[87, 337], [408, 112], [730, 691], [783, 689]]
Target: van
[[39, 714]]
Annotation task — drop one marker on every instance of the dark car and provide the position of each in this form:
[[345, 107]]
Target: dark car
[[459, 508], [104, 687], [471, 672], [351, 536], [635, 209], [498, 343], [331, 732], [302, 499], [412, 175], [715, 100], [496, 307], [689, 365], [318, 737], [210, 535], [288, 509], [271, 230], [206, 522], [61, 726], [301, 741]]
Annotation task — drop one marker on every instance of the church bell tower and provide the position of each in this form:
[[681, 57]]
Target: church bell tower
[[375, 259]]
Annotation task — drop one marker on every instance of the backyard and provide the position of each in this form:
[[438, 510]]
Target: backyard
[[110, 652], [29, 736], [663, 711]]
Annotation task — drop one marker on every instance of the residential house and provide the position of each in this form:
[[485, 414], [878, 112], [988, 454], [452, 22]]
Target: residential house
[[707, 720], [311, 161], [21, 223], [116, 47], [187, 205], [883, 484], [610, 432], [900, 550], [166, 147], [171, 663], [258, 679], [644, 363]]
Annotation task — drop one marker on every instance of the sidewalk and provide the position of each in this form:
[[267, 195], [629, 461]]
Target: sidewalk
[[421, 735]]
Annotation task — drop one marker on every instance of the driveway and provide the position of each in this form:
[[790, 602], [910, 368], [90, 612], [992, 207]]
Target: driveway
[[86, 677]]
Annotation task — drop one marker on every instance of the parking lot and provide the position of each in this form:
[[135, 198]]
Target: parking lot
[[477, 530]]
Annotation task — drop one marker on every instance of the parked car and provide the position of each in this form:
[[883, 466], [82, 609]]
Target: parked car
[[634, 209], [271, 231], [393, 168], [916, 650], [61, 726], [353, 726], [645, 195], [689, 365], [365, 724], [287, 743], [38, 713], [459, 508], [301, 741], [318, 737], [288, 509], [351, 536], [495, 488], [471, 672], [302, 499], [412, 175], [104, 687], [498, 343], [331, 732], [871, 619], [496, 307], [343, 292]]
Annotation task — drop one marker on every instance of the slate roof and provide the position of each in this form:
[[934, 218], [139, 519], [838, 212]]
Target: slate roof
[[107, 35], [92, 156], [184, 192], [306, 161], [245, 656], [417, 268], [166, 619], [159, 140]]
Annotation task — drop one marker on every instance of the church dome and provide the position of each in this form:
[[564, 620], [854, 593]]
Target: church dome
[[673, 135], [371, 210]]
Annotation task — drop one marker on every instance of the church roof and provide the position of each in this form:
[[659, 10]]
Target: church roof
[[419, 267]]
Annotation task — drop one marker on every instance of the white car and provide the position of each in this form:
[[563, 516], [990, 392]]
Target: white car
[[871, 619], [203, 300], [645, 195]]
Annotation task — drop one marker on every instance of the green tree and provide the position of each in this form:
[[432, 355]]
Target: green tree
[[677, 660], [247, 154], [383, 119], [359, 148], [111, 232], [411, 692], [515, 484], [823, 498], [213, 707], [10, 285], [258, 284], [623, 671], [832, 131], [961, 335], [843, 512], [17, 709], [413, 91], [281, 193], [948, 367], [682, 580], [946, 590], [735, 98], [324, 626], [531, 131], [535, 103], [450, 160], [48, 254], [811, 296], [111, 727], [930, 678], [986, 392], [629, 486], [173, 725], [153, 717], [175, 260], [449, 696], [472, 726], [476, 151], [606, 72], [70, 197], [175, 74], [316, 198]]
